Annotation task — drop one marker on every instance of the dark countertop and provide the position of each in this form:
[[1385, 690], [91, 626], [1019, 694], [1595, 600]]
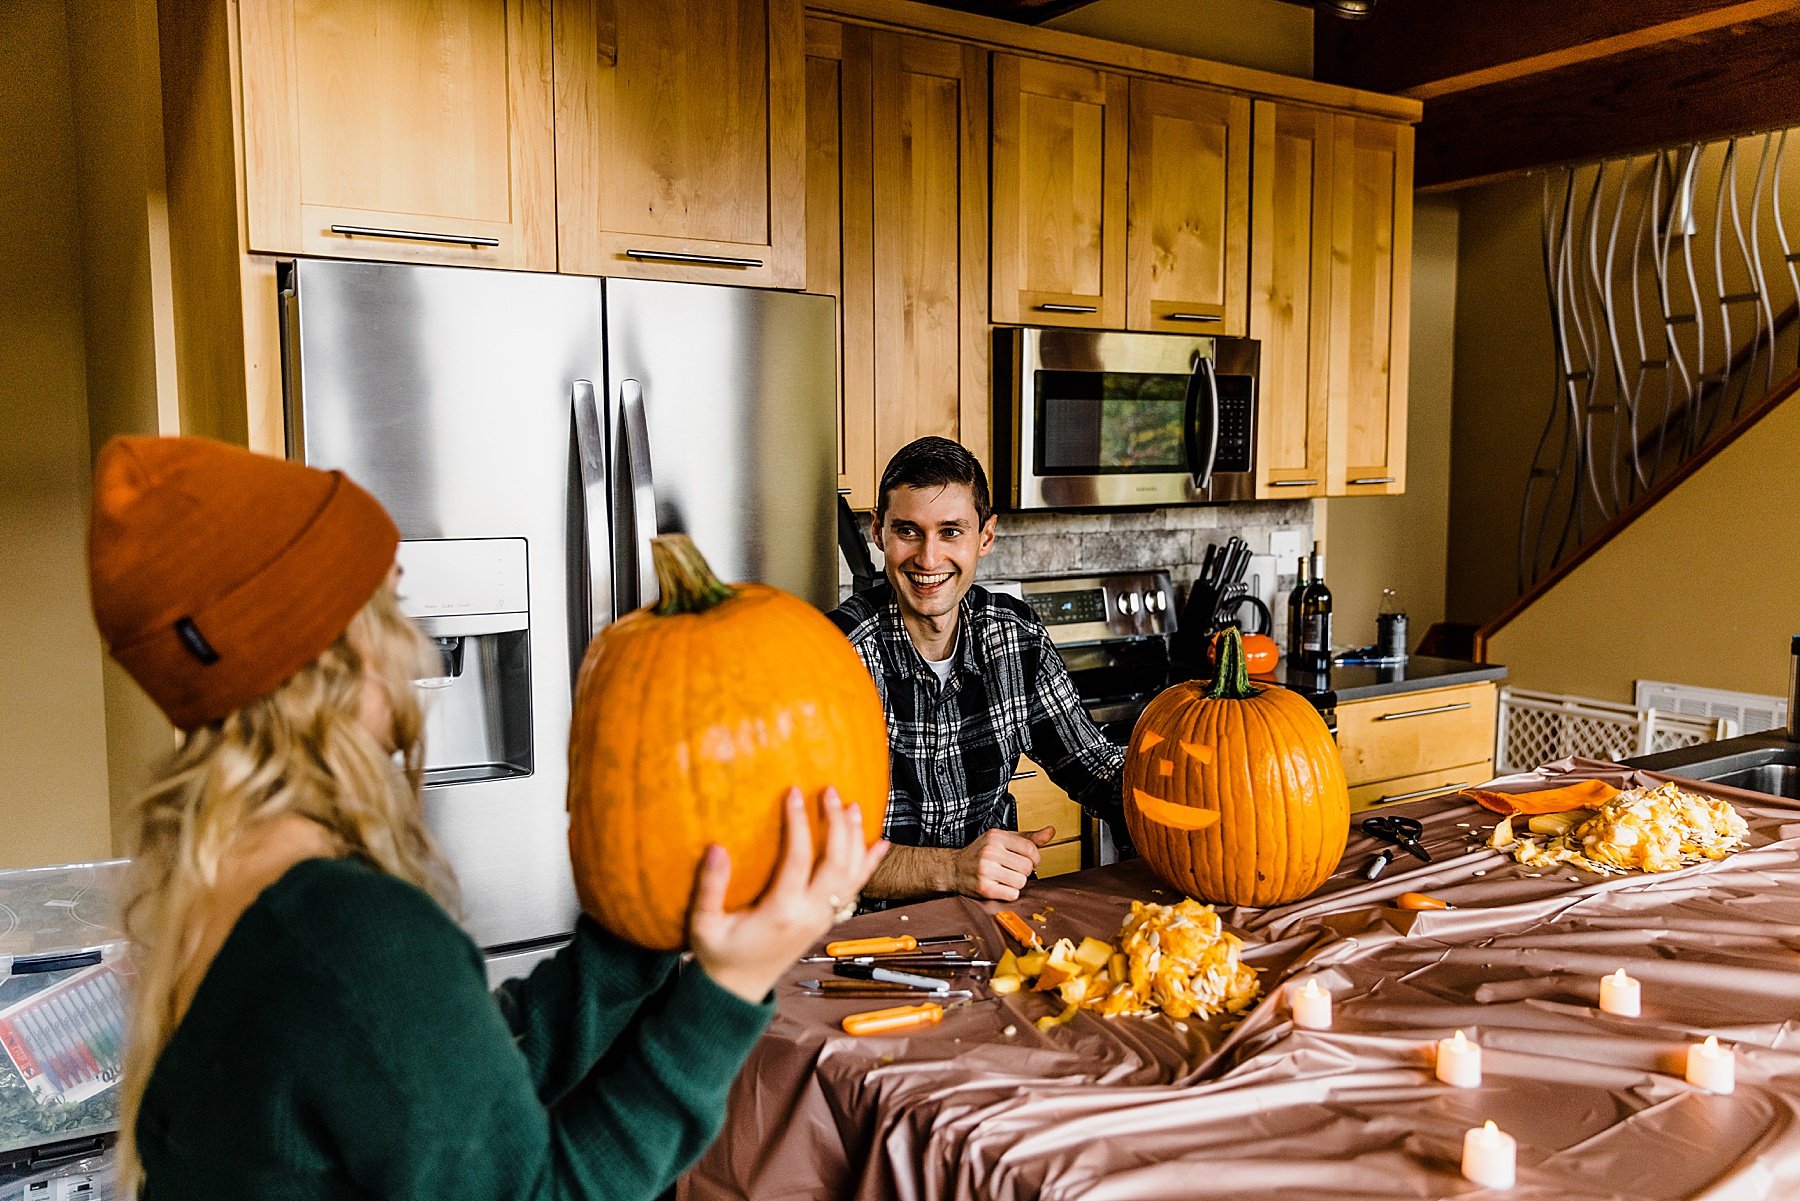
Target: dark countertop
[[1361, 681]]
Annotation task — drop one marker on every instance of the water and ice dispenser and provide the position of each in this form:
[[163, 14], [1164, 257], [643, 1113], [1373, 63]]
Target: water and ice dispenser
[[471, 598]]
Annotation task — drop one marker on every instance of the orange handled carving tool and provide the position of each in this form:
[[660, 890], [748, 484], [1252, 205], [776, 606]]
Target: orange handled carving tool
[[888, 946], [1015, 925], [900, 1017]]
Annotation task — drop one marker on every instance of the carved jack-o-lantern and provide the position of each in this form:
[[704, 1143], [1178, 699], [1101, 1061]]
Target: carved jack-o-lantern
[[1234, 793]]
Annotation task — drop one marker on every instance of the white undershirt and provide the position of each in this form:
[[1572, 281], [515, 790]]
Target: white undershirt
[[941, 667]]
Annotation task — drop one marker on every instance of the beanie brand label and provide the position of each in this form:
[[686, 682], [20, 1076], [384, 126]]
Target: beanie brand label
[[195, 641]]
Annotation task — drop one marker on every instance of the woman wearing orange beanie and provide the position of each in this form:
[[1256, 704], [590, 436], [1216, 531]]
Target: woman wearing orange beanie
[[308, 1020]]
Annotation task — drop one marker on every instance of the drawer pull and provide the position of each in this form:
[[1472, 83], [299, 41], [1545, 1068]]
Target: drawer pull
[[1423, 712], [1192, 317], [1293, 483], [412, 235], [1432, 791], [681, 256], [1023, 775], [1068, 308], [1371, 479]]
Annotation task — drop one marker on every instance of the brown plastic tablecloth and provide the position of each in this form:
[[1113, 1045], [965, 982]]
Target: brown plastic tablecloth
[[986, 1106]]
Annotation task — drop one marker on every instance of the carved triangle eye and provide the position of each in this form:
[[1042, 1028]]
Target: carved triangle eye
[[1150, 739], [1202, 754]]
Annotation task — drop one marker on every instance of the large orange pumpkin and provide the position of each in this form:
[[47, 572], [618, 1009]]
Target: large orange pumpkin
[[1234, 792], [692, 720]]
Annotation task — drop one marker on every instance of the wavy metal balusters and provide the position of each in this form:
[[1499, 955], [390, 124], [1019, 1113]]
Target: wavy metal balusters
[[1624, 318]]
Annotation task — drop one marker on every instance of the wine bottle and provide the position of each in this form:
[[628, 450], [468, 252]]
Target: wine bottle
[[1294, 625], [1315, 617]]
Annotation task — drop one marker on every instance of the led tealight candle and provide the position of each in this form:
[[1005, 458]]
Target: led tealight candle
[[1619, 994], [1458, 1061], [1311, 1006], [1712, 1067], [1488, 1156]]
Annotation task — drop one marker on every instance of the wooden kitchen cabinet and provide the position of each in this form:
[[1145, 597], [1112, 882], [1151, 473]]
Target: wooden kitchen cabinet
[[1372, 303], [897, 230], [1330, 281], [1188, 237], [431, 123], [681, 140], [1059, 170], [1412, 744]]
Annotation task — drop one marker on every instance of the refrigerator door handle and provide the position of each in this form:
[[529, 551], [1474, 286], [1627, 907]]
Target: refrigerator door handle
[[636, 483], [590, 453]]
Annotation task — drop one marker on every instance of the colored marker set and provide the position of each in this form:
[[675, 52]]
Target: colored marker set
[[67, 1042]]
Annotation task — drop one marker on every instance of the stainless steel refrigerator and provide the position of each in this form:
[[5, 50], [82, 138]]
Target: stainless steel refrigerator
[[529, 434]]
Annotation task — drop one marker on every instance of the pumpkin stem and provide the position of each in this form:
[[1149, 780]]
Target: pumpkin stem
[[688, 584], [1232, 679]]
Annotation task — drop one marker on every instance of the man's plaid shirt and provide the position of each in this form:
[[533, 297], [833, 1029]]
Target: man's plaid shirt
[[953, 749]]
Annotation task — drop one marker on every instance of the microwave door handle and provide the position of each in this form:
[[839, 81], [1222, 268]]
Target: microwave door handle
[[1190, 426], [590, 457], [637, 512], [1203, 480]]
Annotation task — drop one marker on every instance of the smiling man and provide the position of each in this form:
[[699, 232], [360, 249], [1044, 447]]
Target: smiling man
[[970, 681]]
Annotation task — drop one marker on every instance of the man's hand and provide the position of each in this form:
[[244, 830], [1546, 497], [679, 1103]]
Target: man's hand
[[995, 866]]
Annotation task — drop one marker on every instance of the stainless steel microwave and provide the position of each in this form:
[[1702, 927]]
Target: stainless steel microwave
[[1087, 419]]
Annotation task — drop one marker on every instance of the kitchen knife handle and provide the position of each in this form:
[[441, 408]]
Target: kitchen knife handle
[[900, 1017], [871, 946]]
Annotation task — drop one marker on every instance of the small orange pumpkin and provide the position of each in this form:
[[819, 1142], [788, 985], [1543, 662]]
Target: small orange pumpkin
[[1234, 792], [692, 720], [1261, 654]]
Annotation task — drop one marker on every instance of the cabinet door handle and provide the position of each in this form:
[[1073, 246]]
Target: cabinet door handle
[[1293, 483], [1023, 775], [1068, 308], [1423, 712], [1192, 317], [606, 33], [1432, 791], [1370, 479], [412, 235], [679, 256]]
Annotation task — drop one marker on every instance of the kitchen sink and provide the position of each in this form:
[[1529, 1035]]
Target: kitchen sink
[[1776, 779], [1765, 763]]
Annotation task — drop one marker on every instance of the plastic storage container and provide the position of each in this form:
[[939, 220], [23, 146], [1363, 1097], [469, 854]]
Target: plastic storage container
[[63, 972]]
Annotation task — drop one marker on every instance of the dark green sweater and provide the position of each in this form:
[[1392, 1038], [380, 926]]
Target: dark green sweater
[[344, 1044]]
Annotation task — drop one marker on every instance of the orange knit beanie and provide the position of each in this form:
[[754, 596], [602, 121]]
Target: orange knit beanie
[[218, 573]]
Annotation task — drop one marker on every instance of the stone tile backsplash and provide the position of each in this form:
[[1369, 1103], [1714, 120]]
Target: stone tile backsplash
[[1176, 538]]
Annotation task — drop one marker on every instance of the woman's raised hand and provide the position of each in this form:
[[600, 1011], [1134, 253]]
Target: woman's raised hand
[[746, 952]]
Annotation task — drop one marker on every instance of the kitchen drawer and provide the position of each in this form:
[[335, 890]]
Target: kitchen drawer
[[1059, 858], [1042, 803], [1387, 737], [1421, 784]]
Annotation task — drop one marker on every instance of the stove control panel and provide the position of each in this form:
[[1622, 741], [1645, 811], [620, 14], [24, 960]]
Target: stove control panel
[[1101, 608]]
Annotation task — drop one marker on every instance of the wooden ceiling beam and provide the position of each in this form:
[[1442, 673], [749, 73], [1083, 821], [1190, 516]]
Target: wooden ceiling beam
[[1724, 81], [1600, 48], [1027, 12], [1409, 44]]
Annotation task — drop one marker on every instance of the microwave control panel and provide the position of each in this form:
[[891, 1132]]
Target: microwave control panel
[[1236, 423]]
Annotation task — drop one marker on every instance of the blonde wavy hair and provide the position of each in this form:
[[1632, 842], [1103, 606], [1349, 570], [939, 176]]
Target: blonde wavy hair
[[301, 750]]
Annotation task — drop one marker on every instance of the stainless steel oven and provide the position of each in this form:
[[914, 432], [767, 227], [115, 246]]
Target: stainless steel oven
[[1091, 419]]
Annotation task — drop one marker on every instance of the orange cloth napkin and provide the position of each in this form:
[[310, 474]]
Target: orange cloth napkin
[[1584, 794]]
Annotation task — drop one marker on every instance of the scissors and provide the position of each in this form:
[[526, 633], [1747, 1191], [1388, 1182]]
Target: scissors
[[1403, 832]]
